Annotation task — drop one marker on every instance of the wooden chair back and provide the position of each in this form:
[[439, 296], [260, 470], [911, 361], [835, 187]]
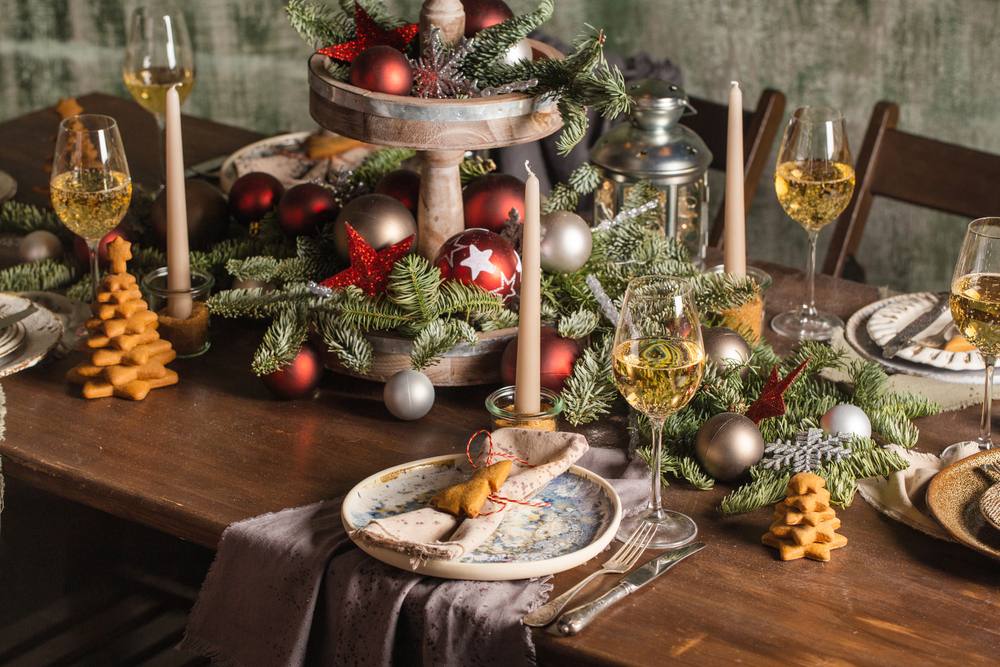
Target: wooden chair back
[[915, 170], [760, 129]]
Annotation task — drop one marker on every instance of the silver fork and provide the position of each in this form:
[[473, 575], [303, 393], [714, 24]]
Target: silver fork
[[619, 563]]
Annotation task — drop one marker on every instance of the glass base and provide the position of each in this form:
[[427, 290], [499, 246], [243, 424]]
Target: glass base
[[795, 324], [947, 451], [197, 353], [673, 529]]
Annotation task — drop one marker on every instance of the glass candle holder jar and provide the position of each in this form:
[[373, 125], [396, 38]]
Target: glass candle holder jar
[[751, 315], [500, 405], [188, 336]]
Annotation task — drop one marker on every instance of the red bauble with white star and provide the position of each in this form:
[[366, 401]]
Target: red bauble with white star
[[481, 257]]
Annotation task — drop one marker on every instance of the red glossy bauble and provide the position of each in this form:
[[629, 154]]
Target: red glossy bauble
[[402, 185], [253, 195], [305, 208], [480, 14], [298, 378], [489, 199], [481, 257], [82, 252], [382, 69], [558, 356]]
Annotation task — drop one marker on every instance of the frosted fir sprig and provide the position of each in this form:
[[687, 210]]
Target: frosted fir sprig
[[603, 300]]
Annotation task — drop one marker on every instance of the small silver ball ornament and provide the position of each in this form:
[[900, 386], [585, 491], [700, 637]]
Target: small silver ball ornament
[[380, 219], [408, 395], [39, 245], [724, 346], [727, 445], [566, 242], [847, 418], [520, 51]]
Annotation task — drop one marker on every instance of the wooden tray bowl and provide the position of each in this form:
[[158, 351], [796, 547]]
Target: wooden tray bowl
[[463, 366], [429, 124]]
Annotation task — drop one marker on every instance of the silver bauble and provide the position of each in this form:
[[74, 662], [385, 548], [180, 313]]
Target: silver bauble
[[847, 418], [408, 395], [566, 242], [520, 51], [39, 245], [727, 445], [724, 346], [380, 219]]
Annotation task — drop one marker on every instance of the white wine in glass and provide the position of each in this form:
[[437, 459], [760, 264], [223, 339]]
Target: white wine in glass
[[975, 304], [149, 86], [90, 184], [657, 361], [814, 183]]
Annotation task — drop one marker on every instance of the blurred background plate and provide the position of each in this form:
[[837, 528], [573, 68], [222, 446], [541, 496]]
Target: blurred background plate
[[43, 332]]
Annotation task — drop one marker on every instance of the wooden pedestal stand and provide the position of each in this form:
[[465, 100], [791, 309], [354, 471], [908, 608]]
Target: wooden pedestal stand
[[441, 131]]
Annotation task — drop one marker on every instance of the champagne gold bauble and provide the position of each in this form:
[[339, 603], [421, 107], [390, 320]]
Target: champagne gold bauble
[[724, 346], [380, 219], [39, 245], [566, 242], [727, 445]]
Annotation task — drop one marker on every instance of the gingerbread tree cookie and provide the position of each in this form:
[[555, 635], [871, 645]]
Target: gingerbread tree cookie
[[804, 523], [127, 356]]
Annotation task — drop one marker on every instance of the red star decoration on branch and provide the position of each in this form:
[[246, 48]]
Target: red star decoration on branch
[[771, 402], [369, 267], [369, 33]]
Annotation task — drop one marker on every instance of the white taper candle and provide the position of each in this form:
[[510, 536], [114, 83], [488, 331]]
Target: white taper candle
[[527, 392], [178, 254], [735, 239]]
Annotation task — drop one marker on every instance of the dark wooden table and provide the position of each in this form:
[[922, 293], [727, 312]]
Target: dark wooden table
[[216, 449]]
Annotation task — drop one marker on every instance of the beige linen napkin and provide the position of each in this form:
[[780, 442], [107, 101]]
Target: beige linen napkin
[[429, 533], [902, 495]]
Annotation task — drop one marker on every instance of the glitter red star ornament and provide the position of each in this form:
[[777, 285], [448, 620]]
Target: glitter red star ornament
[[369, 268], [771, 402], [369, 33]]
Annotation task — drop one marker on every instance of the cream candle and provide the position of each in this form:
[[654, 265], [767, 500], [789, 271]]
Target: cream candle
[[735, 239], [179, 302], [527, 393]]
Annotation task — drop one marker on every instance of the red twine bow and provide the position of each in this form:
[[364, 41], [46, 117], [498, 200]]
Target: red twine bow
[[492, 452]]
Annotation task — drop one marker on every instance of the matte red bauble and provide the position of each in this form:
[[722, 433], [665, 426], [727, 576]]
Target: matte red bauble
[[382, 69], [489, 199], [481, 257], [305, 208], [402, 185], [207, 215], [253, 195], [298, 378], [558, 356], [82, 252], [481, 14]]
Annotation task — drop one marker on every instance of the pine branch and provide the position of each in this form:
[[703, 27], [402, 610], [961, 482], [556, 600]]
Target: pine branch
[[282, 341], [589, 392], [491, 45], [255, 302], [45, 275], [471, 301], [366, 314], [414, 287], [319, 24], [765, 488], [473, 167], [503, 319], [579, 324], [269, 269], [378, 164], [19, 218], [352, 348], [438, 337]]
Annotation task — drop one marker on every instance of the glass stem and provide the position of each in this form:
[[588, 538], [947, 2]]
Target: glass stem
[[95, 269], [809, 308], [655, 499], [161, 140], [985, 426]]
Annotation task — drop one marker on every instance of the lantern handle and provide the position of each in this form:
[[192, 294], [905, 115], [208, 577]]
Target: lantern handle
[[689, 109]]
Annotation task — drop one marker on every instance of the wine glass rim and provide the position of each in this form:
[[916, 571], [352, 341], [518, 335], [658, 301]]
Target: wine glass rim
[[988, 227], [818, 113], [91, 122]]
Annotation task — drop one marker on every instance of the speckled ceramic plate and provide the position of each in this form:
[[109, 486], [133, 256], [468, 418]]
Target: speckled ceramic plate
[[953, 497], [581, 520], [856, 335], [43, 330], [898, 311]]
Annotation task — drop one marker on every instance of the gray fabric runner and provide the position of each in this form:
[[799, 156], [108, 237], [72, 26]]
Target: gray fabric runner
[[290, 588]]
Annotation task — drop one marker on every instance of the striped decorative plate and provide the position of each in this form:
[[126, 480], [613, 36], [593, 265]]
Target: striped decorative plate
[[11, 338], [989, 504]]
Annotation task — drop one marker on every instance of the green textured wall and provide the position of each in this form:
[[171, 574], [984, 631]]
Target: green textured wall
[[936, 58]]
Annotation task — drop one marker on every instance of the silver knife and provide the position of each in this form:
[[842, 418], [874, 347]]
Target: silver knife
[[209, 167], [907, 333], [580, 617], [14, 318]]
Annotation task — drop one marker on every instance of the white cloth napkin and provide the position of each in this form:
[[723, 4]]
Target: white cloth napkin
[[902, 495], [430, 533]]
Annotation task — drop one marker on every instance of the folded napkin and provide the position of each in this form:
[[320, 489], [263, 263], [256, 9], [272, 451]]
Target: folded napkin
[[538, 458], [292, 167], [290, 588], [902, 495]]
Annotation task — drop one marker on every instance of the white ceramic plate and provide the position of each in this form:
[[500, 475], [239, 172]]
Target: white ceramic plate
[[899, 311], [43, 330], [856, 335], [581, 520], [11, 338]]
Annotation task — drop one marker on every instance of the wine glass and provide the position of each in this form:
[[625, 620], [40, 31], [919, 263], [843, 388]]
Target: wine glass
[[658, 360], [158, 55], [975, 303], [90, 183], [814, 181]]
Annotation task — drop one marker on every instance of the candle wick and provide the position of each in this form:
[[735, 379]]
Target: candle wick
[[527, 167], [734, 84]]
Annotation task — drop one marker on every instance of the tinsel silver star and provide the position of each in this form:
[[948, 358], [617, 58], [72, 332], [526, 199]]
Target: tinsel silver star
[[809, 451]]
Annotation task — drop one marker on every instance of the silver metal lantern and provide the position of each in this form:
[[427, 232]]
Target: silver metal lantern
[[653, 146]]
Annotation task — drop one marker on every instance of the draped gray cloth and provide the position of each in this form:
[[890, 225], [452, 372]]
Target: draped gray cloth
[[290, 588]]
